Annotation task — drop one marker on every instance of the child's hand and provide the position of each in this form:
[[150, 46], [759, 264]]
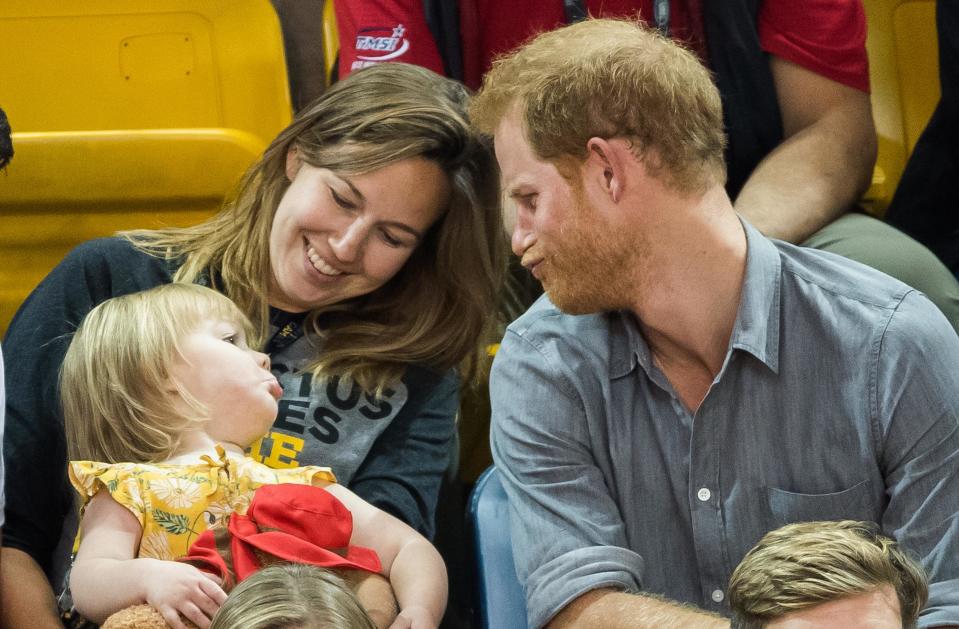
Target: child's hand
[[415, 617], [174, 588]]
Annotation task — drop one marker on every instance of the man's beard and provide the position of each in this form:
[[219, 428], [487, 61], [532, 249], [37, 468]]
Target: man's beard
[[590, 269]]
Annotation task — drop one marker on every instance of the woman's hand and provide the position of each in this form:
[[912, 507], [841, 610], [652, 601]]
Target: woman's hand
[[176, 589]]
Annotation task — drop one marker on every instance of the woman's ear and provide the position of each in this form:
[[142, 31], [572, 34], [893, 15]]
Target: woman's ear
[[292, 163]]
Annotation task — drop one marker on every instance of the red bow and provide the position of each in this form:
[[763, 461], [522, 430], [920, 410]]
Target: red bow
[[297, 523]]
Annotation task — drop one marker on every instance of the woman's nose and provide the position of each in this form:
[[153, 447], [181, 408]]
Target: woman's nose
[[348, 244]]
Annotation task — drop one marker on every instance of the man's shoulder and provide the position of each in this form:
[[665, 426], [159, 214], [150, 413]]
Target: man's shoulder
[[545, 321], [571, 347], [824, 277]]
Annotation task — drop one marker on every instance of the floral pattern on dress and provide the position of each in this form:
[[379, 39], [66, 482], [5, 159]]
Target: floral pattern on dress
[[176, 503], [156, 545], [179, 493]]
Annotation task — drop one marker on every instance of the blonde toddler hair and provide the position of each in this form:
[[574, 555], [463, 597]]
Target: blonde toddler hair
[[292, 596], [115, 382]]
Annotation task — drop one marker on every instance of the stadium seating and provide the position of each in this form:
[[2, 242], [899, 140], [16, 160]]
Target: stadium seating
[[904, 73], [331, 41], [500, 601], [127, 114]]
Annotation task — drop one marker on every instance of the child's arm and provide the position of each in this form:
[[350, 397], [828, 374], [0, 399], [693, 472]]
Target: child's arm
[[416, 571], [106, 577]]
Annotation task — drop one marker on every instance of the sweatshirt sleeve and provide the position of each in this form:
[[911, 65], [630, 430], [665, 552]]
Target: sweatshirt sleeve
[[37, 492]]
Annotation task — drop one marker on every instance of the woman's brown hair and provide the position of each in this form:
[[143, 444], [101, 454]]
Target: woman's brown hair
[[435, 310]]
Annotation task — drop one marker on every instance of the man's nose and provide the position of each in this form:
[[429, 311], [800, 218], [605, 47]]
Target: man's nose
[[523, 237]]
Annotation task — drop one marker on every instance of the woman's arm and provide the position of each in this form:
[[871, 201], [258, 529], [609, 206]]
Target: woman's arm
[[416, 571], [107, 578], [403, 470], [38, 496], [27, 598]]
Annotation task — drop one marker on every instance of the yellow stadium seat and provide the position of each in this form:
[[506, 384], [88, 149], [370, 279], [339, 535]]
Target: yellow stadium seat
[[331, 40], [127, 113], [904, 72]]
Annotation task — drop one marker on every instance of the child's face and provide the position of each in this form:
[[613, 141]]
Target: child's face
[[231, 380]]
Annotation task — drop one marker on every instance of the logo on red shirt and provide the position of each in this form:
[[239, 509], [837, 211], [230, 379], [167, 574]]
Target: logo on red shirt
[[380, 43]]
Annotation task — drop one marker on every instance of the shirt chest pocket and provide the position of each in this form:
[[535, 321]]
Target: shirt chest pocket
[[855, 503]]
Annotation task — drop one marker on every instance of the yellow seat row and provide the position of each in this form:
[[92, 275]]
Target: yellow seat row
[[139, 113], [904, 73], [127, 113]]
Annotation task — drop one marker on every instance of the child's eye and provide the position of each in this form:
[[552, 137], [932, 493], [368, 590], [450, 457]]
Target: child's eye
[[231, 339]]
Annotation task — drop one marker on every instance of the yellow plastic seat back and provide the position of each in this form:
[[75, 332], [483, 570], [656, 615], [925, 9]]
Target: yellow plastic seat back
[[904, 72], [127, 113], [331, 41]]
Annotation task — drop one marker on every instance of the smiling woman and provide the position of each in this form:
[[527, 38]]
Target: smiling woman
[[366, 248], [328, 246]]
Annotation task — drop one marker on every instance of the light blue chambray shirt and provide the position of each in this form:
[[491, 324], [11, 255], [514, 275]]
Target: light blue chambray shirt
[[838, 398]]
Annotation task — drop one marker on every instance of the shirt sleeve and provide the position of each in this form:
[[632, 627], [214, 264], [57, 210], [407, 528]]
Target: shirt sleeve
[[404, 469], [89, 477], [567, 532], [917, 397], [825, 36], [379, 31], [37, 492]]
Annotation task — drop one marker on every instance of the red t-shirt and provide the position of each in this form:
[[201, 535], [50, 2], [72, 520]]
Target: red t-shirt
[[825, 36], [384, 30]]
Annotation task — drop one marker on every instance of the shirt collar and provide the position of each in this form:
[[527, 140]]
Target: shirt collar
[[757, 321]]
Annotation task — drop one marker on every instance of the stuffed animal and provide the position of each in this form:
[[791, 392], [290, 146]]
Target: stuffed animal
[[140, 617]]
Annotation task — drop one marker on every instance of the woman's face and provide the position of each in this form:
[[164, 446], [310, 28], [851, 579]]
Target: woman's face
[[336, 237]]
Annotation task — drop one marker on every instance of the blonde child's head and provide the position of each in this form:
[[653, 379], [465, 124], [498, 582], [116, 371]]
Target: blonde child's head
[[120, 402], [292, 596]]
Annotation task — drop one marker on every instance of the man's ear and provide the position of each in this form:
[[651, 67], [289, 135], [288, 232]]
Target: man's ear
[[292, 162], [606, 161]]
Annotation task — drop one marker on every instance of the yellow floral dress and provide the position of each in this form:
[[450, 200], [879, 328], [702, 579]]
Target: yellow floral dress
[[175, 503]]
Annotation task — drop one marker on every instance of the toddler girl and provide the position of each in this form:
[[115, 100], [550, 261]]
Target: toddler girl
[[161, 396]]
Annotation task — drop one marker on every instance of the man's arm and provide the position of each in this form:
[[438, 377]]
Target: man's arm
[[609, 609], [569, 540], [917, 400], [824, 163], [27, 600]]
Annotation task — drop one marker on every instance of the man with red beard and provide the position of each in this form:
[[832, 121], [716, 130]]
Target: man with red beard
[[687, 385]]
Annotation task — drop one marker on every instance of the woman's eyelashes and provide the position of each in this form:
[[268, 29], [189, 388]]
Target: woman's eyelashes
[[388, 237], [343, 202], [391, 240]]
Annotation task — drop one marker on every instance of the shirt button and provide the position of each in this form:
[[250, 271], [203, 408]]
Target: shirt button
[[718, 596], [703, 494]]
